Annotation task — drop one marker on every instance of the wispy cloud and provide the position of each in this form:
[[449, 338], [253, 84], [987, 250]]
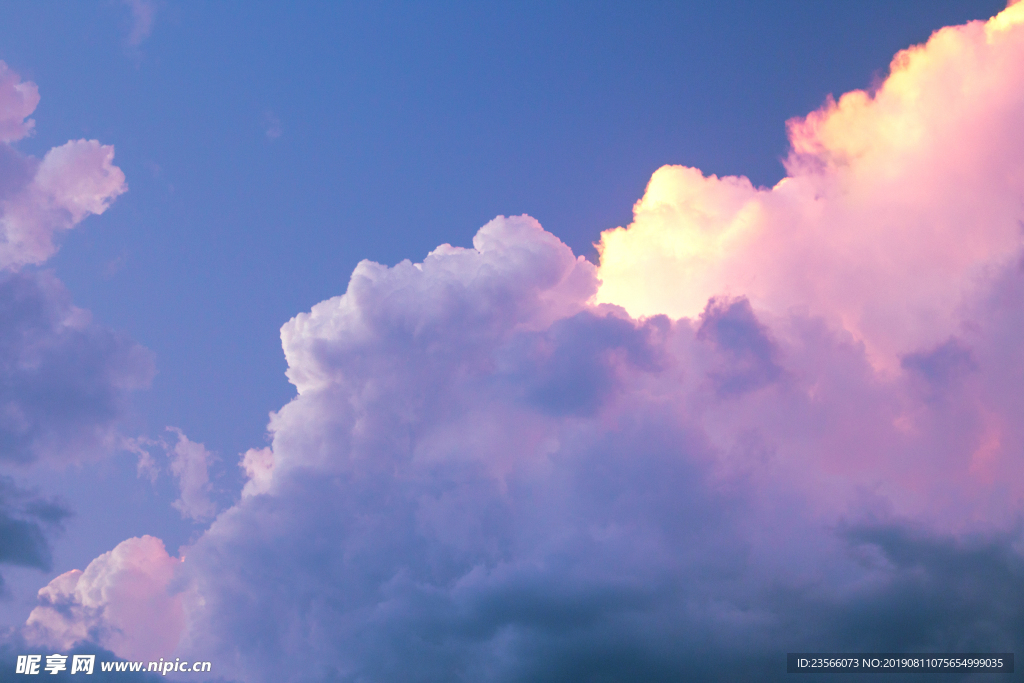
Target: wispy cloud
[[143, 19], [273, 125], [190, 463]]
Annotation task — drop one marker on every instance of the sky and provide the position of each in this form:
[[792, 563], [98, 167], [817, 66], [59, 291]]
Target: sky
[[542, 341]]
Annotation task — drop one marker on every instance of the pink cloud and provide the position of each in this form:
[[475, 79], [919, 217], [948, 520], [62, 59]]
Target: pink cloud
[[17, 101], [122, 601], [897, 205], [71, 182], [38, 199], [64, 379]]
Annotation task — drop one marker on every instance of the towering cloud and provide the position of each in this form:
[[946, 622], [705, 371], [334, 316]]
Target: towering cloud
[[773, 420]]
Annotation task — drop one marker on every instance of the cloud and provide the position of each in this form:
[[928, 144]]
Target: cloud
[[258, 465], [773, 420], [64, 379], [122, 602], [273, 125], [55, 194], [143, 18], [38, 199], [17, 101], [189, 463], [897, 204], [25, 519], [483, 476]]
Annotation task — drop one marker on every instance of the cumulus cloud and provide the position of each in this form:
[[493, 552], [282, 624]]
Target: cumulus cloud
[[122, 602], [497, 499], [55, 194], [258, 465], [898, 202], [773, 420], [38, 199]]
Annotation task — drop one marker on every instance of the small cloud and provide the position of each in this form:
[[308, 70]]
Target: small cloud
[[114, 265], [146, 466], [189, 464], [143, 18], [273, 125]]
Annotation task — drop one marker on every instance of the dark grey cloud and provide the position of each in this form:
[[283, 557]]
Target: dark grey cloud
[[26, 519]]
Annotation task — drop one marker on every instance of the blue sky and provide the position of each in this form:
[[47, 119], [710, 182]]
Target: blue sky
[[269, 148]]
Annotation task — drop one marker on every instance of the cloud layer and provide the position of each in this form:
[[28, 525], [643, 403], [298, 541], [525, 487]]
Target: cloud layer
[[789, 422]]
